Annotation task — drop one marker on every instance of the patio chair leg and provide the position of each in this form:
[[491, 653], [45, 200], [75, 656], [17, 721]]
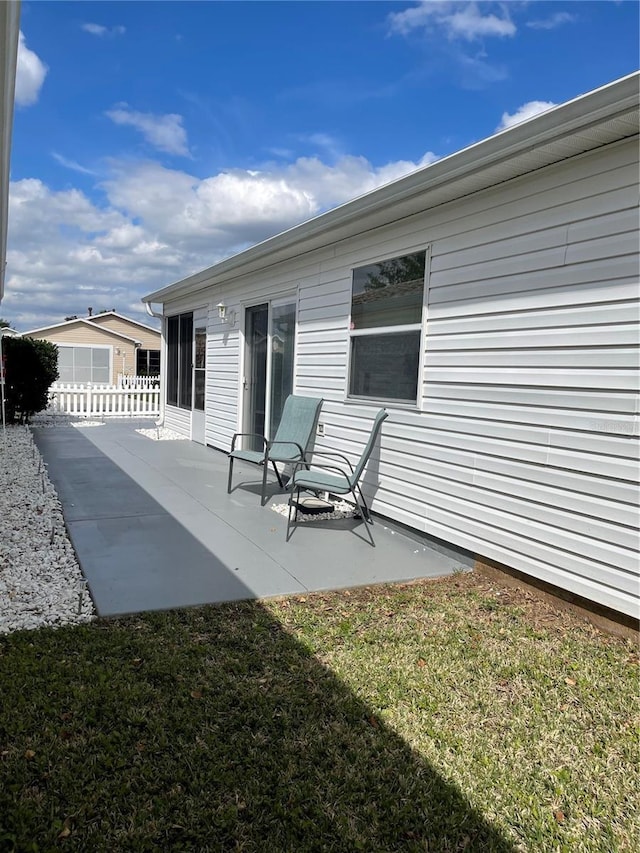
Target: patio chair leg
[[230, 475], [263, 495], [295, 519], [364, 511], [275, 468], [265, 465], [366, 514]]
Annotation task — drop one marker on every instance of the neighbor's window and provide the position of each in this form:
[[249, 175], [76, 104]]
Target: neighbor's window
[[84, 363], [386, 328], [147, 362], [179, 360]]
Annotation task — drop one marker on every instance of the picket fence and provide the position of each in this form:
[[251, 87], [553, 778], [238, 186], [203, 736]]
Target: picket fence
[[138, 383], [95, 400]]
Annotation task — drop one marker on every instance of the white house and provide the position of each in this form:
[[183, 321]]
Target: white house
[[9, 31], [490, 302]]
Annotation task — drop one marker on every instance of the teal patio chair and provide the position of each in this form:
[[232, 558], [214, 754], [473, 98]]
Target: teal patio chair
[[334, 479], [292, 442]]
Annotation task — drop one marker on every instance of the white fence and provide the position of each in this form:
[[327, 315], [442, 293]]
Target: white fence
[[104, 401], [138, 382]]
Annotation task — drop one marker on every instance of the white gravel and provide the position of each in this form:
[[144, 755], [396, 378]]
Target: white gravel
[[162, 434], [341, 509], [40, 579]]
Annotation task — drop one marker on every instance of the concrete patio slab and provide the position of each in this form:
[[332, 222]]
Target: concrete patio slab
[[154, 528]]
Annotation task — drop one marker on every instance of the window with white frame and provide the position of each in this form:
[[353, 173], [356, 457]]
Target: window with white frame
[[387, 300], [147, 362], [78, 363]]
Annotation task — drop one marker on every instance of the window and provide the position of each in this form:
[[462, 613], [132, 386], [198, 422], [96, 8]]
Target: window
[[147, 362], [179, 360], [386, 328], [84, 364]]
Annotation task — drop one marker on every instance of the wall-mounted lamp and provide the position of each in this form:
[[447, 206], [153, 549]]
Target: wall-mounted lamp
[[224, 315]]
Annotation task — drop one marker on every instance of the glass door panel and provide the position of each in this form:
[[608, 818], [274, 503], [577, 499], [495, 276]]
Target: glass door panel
[[255, 379], [283, 334], [199, 367], [185, 361]]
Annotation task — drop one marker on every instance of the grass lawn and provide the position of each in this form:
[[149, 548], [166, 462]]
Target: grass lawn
[[439, 716]]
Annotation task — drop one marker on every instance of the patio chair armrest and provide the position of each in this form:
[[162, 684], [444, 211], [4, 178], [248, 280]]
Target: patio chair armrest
[[309, 457], [271, 444], [244, 435], [333, 468]]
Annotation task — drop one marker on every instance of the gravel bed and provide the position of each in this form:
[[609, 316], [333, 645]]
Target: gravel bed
[[341, 509], [162, 434], [40, 579]]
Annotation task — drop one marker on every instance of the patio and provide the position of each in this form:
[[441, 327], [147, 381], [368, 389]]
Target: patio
[[154, 528]]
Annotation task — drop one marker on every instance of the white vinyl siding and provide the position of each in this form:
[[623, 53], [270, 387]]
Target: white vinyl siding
[[178, 420], [524, 448]]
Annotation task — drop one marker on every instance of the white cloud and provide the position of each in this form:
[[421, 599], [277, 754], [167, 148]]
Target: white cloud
[[71, 164], [523, 113], [158, 225], [101, 31], [164, 132], [552, 22], [455, 20], [30, 74]]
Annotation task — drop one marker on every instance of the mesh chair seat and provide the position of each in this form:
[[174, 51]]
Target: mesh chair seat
[[333, 478], [292, 442]]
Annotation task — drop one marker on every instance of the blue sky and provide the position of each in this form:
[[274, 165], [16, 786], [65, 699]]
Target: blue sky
[[153, 139]]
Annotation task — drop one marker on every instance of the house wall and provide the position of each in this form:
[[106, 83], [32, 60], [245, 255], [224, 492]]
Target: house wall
[[82, 334], [523, 448], [149, 338]]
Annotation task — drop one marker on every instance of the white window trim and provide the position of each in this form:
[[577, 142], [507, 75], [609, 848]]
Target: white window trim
[[418, 403]]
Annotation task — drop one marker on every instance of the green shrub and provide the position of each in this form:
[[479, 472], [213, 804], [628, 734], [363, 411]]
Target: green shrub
[[31, 367]]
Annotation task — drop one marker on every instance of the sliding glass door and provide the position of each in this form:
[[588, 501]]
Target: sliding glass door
[[270, 330], [255, 370]]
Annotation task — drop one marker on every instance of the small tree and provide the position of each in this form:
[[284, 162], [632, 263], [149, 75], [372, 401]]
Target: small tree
[[31, 367]]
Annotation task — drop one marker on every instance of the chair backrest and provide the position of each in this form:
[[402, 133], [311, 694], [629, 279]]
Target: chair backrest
[[297, 427], [366, 453]]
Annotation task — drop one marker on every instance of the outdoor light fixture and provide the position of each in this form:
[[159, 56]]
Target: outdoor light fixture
[[224, 315]]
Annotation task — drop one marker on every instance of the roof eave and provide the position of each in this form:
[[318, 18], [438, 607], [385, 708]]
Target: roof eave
[[558, 123], [103, 329], [117, 314]]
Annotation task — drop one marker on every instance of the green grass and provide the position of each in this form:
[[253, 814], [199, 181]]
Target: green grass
[[439, 716]]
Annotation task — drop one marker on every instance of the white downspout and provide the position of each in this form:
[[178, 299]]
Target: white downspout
[[163, 360]]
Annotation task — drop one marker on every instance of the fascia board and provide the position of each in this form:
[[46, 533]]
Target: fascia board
[[95, 317], [68, 323], [554, 125]]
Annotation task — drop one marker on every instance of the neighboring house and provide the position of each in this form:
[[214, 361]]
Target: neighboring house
[[9, 30], [98, 348], [490, 302]]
